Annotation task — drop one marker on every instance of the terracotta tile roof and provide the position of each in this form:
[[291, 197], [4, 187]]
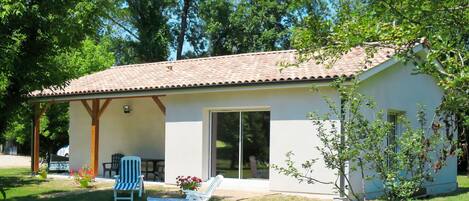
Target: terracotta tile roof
[[251, 68]]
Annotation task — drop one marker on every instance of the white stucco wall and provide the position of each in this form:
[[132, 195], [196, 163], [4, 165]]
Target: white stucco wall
[[182, 137], [187, 134], [141, 132], [397, 89]]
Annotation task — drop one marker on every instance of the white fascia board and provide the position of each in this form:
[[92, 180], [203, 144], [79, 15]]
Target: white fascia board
[[164, 92], [419, 49]]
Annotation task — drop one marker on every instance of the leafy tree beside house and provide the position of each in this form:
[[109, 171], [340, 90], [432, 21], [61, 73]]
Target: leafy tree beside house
[[403, 163], [32, 34], [400, 25], [140, 29], [89, 57]]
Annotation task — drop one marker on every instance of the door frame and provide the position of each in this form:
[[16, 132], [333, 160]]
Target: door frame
[[231, 109]]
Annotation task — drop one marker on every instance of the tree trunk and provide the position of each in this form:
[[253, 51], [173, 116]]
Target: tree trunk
[[182, 32], [461, 127]]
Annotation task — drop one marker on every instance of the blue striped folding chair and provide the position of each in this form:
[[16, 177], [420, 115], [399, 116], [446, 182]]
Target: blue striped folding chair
[[130, 178]]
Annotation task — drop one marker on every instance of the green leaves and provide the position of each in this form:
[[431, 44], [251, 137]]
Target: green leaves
[[88, 58], [388, 152], [43, 44], [2, 191], [385, 23], [442, 27], [249, 26]]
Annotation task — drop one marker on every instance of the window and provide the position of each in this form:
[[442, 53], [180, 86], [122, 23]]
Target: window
[[240, 144], [393, 118]]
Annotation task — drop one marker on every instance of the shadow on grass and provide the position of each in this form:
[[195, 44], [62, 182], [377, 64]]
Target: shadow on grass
[[17, 178], [61, 195], [14, 179], [13, 182], [460, 191], [101, 195]]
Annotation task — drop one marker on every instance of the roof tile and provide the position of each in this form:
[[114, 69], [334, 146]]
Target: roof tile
[[221, 70]]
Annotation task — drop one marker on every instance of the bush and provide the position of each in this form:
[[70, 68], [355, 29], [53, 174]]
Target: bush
[[83, 177], [402, 156], [43, 172]]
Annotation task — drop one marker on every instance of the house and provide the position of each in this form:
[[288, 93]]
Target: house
[[231, 115]]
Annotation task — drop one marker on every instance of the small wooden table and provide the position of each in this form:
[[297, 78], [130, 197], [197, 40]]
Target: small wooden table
[[155, 164]]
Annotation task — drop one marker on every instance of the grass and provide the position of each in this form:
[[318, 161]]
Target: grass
[[461, 194], [20, 186]]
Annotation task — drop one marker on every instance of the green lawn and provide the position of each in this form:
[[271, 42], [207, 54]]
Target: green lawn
[[461, 194], [22, 187]]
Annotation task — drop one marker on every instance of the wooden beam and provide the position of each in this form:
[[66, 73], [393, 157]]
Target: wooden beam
[[160, 104], [95, 136], [38, 112], [106, 103], [87, 107]]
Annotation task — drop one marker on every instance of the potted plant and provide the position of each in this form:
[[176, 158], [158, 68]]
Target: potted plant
[[84, 176], [188, 183]]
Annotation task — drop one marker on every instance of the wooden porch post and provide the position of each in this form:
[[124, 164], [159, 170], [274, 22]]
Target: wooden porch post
[[95, 137], [38, 112], [95, 112]]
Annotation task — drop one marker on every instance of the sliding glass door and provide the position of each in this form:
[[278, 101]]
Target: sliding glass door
[[240, 144]]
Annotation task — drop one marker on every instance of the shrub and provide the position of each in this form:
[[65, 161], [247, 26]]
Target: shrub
[[43, 172], [84, 176], [402, 156]]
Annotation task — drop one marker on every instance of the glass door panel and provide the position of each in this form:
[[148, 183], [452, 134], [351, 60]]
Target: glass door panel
[[240, 144], [255, 144], [225, 144]]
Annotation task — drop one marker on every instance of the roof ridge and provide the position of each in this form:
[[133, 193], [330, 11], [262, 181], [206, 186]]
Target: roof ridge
[[205, 58]]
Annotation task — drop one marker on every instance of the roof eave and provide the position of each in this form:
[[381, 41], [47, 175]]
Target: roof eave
[[185, 90], [418, 49]]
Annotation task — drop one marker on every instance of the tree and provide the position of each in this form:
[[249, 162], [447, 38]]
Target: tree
[[32, 33], [92, 56], [182, 31], [371, 148], [89, 57], [149, 18], [140, 28], [440, 25], [232, 27]]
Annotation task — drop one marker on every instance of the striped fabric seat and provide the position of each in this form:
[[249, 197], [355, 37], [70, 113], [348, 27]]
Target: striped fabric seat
[[130, 178], [125, 186]]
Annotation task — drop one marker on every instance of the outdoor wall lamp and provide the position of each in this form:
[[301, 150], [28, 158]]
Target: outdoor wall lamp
[[126, 109]]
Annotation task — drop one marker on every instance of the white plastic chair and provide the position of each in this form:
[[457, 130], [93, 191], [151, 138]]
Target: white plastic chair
[[195, 195], [204, 196], [130, 178]]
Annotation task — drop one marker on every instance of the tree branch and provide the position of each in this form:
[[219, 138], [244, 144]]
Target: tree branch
[[122, 26]]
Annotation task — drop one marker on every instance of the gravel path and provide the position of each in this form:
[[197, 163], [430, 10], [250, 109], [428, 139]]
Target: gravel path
[[9, 161]]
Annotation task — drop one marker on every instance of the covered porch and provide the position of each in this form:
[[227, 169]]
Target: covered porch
[[103, 126]]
